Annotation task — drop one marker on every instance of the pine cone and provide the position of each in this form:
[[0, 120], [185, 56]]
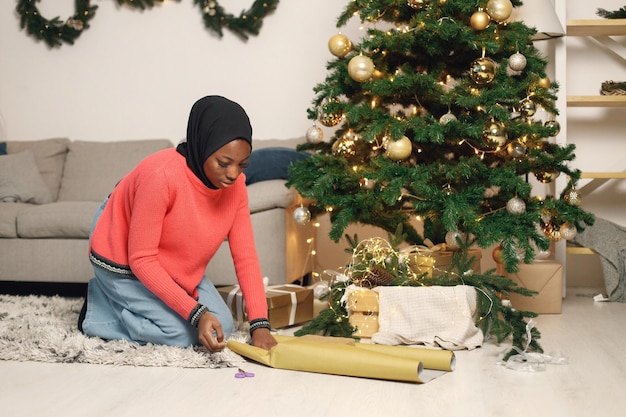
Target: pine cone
[[377, 277]]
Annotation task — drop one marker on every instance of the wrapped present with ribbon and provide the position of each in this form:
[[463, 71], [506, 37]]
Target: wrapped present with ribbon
[[287, 304]]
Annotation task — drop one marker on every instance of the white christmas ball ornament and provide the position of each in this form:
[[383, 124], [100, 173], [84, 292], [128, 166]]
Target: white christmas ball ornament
[[361, 68], [568, 231], [302, 215], [516, 206], [314, 134], [452, 239], [517, 62]]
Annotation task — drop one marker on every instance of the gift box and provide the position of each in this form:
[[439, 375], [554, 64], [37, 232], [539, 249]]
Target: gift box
[[546, 278], [436, 263], [287, 305], [362, 310]]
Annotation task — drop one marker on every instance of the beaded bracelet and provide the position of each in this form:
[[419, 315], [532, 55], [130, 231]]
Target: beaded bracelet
[[196, 313], [259, 324]]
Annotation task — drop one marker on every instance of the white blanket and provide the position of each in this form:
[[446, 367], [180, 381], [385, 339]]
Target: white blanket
[[432, 316]]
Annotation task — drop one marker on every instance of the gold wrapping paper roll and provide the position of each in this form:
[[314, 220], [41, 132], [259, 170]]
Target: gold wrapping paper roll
[[397, 363]]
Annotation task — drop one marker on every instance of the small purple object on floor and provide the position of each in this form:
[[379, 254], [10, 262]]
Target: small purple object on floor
[[244, 374]]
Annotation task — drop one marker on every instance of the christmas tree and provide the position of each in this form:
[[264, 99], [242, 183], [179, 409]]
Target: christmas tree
[[435, 116]]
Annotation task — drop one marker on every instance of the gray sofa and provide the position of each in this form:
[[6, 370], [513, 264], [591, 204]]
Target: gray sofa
[[51, 189]]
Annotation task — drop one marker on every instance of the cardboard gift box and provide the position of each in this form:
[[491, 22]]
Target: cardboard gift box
[[362, 309], [287, 305], [546, 278], [435, 263]]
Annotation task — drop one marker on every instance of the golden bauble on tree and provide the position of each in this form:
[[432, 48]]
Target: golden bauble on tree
[[544, 82], [499, 10], [417, 4], [495, 132], [573, 197], [339, 45], [361, 68], [480, 20], [398, 150], [483, 70], [546, 176], [327, 117]]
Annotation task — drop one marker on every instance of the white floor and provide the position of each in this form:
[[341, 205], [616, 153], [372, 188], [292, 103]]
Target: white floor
[[592, 335]]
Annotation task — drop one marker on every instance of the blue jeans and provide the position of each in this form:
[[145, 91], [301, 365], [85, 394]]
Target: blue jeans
[[121, 307]]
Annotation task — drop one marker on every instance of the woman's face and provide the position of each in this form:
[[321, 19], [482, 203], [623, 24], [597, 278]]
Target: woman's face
[[224, 166]]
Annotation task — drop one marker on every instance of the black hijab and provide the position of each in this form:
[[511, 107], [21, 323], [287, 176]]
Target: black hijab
[[214, 121]]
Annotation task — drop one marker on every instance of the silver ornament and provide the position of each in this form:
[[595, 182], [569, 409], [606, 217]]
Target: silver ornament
[[516, 206], [447, 118], [302, 215], [452, 238], [517, 62], [314, 134], [528, 107]]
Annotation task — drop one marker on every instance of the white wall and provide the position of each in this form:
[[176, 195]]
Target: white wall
[[135, 75]]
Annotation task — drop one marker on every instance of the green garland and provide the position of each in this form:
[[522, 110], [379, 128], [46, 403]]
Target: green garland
[[54, 31]]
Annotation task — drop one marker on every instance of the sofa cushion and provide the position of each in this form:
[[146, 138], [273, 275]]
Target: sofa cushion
[[8, 218], [93, 168], [267, 195], [50, 157], [63, 219], [20, 180], [271, 163]]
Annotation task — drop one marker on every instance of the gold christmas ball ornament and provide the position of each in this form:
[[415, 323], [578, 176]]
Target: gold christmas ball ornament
[[496, 133], [573, 197], [302, 215], [344, 146], [516, 206], [517, 62], [314, 134], [398, 150], [329, 118], [554, 125], [339, 45], [544, 82], [528, 108], [479, 20], [361, 68], [499, 10], [552, 232], [483, 70], [568, 231], [516, 149], [417, 4], [546, 176]]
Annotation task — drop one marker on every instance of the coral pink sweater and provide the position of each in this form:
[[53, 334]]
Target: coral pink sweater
[[166, 225]]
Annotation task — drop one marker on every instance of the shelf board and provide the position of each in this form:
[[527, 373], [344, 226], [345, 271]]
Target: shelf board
[[603, 175], [596, 27], [596, 101], [577, 250]]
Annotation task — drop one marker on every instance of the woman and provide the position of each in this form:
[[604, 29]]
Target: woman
[[162, 224]]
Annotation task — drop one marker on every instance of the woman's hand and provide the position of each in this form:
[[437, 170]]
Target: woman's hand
[[263, 338], [210, 333]]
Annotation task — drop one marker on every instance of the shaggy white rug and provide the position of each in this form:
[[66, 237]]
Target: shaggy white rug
[[43, 329]]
